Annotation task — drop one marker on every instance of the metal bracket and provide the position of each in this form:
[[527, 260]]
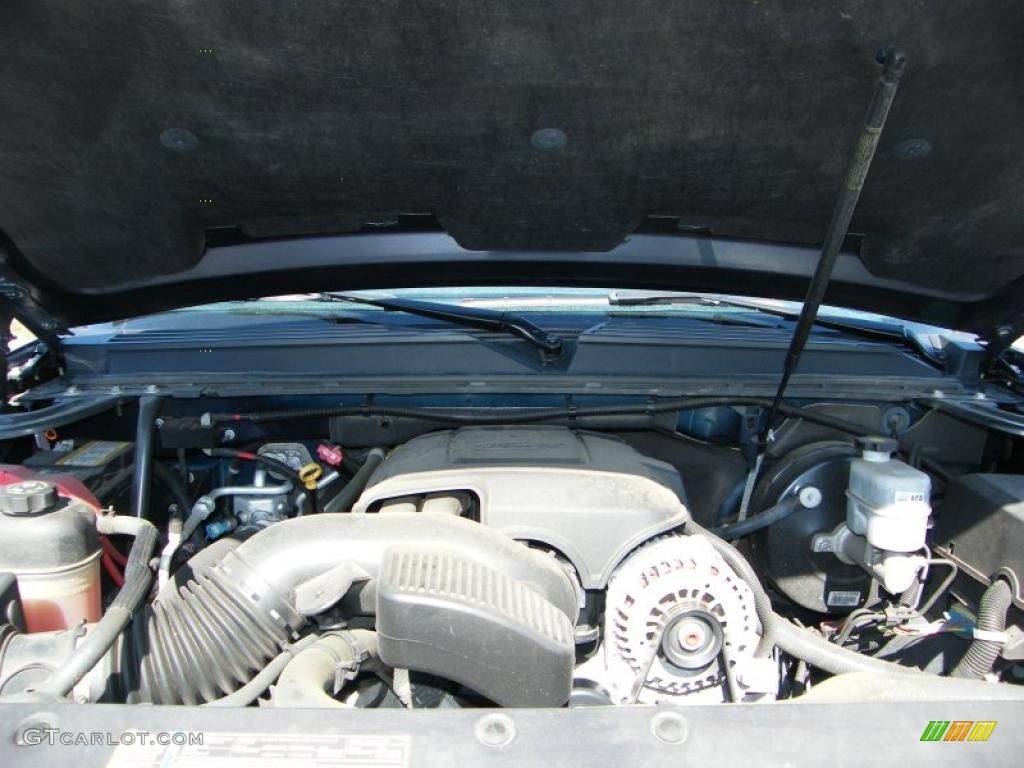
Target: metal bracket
[[835, 542], [17, 301], [1013, 644], [1001, 338]]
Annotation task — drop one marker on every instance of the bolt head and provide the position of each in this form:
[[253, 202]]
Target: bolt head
[[810, 497], [495, 730], [670, 727]]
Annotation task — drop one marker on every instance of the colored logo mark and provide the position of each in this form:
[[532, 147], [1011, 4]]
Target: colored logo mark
[[958, 730]]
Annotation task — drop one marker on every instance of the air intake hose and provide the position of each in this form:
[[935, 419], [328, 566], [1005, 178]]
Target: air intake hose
[[982, 653], [214, 633]]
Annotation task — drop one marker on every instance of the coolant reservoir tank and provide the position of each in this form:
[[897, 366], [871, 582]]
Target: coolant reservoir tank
[[50, 544], [887, 501]]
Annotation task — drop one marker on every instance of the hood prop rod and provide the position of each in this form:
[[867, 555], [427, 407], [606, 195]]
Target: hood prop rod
[[893, 61]]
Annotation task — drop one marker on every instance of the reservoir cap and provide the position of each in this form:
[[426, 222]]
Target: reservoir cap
[[28, 498], [877, 448]]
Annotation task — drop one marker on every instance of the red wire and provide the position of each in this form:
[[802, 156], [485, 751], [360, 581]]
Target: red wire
[[112, 551]]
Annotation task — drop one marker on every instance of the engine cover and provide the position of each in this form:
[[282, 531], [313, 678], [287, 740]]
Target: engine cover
[[591, 497]]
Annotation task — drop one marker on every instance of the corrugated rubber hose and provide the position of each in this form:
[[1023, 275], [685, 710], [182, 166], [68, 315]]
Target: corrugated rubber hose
[[982, 653], [204, 639]]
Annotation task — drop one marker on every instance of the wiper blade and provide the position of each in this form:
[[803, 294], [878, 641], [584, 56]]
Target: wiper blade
[[885, 332], [667, 299], [470, 317], [651, 299]]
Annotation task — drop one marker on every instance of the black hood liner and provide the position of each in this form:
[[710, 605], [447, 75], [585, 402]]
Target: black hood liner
[[133, 129]]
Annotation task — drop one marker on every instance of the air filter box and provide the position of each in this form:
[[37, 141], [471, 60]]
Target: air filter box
[[439, 613]]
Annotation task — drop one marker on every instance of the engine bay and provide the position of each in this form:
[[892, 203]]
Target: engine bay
[[517, 564]]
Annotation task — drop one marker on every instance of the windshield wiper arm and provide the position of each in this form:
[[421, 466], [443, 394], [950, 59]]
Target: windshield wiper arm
[[471, 317]]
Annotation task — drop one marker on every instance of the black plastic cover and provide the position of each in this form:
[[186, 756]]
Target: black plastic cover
[[439, 613], [981, 524]]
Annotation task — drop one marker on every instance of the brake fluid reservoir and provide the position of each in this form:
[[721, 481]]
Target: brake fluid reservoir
[[51, 546], [887, 501]]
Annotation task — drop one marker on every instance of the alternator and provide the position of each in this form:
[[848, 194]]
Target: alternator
[[674, 611]]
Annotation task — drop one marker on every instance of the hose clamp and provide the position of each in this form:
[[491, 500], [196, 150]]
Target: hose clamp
[[360, 652], [991, 636], [255, 596], [346, 670]]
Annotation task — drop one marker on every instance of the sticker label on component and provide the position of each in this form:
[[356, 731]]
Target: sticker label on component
[[843, 599], [268, 750], [95, 453], [901, 496]]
